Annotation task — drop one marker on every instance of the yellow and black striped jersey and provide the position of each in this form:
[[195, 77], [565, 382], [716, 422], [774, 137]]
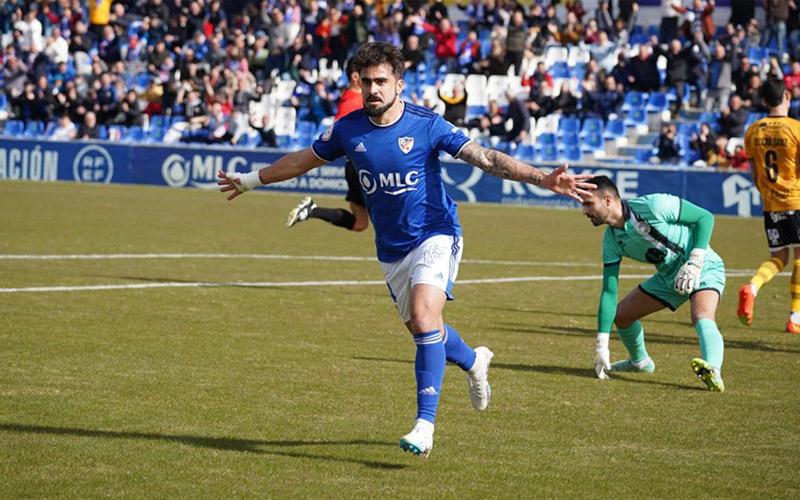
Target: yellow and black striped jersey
[[773, 146]]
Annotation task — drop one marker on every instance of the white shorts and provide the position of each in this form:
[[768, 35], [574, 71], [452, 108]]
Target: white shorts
[[435, 262]]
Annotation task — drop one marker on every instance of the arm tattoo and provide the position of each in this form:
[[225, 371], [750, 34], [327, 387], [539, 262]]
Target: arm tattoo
[[500, 164]]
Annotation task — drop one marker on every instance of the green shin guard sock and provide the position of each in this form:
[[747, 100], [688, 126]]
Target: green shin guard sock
[[711, 344], [633, 339]]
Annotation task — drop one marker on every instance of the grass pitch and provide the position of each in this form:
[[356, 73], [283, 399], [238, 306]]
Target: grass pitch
[[303, 391]]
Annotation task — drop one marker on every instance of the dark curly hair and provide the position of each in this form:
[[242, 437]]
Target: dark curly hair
[[377, 53]]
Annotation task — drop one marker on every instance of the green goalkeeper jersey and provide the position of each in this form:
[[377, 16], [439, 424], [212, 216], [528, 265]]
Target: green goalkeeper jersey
[[654, 232], [663, 230]]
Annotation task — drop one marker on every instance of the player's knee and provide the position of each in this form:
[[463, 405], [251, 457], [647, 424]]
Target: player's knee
[[421, 323], [622, 320], [699, 314]]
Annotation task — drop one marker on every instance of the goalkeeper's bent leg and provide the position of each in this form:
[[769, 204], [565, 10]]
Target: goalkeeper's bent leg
[[712, 346], [633, 340]]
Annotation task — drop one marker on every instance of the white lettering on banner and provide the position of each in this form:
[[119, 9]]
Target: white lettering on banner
[[37, 165], [739, 191], [466, 186], [200, 171], [93, 164], [627, 182]]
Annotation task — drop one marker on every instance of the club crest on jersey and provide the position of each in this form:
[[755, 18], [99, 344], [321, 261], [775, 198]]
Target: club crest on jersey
[[405, 143], [327, 134]]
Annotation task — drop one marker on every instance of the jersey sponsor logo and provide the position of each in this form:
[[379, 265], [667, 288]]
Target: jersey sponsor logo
[[93, 164], [405, 143], [360, 148], [392, 183]]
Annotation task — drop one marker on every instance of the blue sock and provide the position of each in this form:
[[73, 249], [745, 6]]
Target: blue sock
[[457, 351], [429, 369]]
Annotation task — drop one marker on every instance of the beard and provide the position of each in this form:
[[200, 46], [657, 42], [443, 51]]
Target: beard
[[375, 112]]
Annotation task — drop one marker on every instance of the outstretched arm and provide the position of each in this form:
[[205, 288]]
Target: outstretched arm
[[606, 312], [287, 167], [501, 165]]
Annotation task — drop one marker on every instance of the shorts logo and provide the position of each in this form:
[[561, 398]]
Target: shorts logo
[[774, 237], [405, 143], [93, 164], [327, 134]]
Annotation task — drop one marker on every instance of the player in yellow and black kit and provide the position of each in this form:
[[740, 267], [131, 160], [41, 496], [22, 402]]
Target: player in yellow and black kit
[[773, 146]]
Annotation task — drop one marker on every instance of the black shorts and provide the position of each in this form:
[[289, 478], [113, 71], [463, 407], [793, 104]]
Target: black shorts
[[354, 192], [782, 228]]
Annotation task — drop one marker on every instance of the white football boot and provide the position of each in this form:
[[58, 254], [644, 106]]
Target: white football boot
[[420, 440], [301, 211], [480, 392]]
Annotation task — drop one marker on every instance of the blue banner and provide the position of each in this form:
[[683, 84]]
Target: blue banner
[[729, 193]]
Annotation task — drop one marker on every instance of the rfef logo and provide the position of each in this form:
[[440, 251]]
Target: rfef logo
[[93, 164]]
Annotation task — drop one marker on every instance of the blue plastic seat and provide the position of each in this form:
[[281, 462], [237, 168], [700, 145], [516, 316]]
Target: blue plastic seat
[[573, 153], [636, 116], [14, 127], [657, 102], [547, 139], [643, 155], [134, 134], [33, 129], [614, 129], [569, 140], [568, 125], [592, 126], [549, 152], [634, 100], [593, 142]]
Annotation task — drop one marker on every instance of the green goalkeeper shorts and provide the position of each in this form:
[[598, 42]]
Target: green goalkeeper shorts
[[662, 286]]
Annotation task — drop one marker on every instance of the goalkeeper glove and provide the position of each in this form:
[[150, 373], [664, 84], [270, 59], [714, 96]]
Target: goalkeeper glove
[[244, 182], [688, 277], [602, 356]]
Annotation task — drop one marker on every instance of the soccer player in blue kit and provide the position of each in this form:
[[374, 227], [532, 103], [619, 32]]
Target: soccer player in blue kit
[[394, 147]]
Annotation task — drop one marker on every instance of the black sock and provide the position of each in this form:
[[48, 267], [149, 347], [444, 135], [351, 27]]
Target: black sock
[[336, 216]]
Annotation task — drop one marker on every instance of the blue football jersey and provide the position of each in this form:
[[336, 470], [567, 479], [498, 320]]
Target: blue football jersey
[[399, 171]]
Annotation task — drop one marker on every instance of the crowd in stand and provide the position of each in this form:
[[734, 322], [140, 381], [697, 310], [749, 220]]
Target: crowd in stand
[[83, 66]]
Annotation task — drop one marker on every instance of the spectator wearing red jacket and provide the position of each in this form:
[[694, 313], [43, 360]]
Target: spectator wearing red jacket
[[445, 36]]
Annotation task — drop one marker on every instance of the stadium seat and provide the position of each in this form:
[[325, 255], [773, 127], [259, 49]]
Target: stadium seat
[[569, 140], [546, 139], [102, 132], [592, 126], [285, 121], [559, 69], [656, 102], [593, 142], [753, 117], [636, 116], [157, 121], [573, 153], [634, 100], [548, 152], [117, 132], [306, 128], [134, 134], [3, 101], [686, 128], [614, 129], [525, 152], [33, 129], [13, 128], [643, 155], [568, 125]]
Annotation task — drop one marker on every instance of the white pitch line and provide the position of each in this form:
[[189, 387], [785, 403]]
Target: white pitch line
[[288, 284], [351, 258]]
